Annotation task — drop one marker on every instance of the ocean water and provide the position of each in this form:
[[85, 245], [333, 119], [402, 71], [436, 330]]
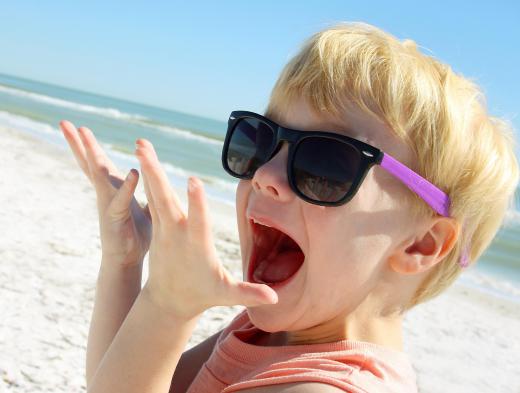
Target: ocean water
[[191, 145], [186, 144]]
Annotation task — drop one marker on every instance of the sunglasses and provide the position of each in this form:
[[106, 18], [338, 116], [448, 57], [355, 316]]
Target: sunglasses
[[323, 168]]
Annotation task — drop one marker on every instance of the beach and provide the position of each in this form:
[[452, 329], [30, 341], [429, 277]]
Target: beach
[[465, 340]]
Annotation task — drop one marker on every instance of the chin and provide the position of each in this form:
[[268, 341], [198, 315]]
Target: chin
[[268, 319]]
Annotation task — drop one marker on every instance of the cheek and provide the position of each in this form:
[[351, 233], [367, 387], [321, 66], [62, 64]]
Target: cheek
[[344, 267], [348, 242]]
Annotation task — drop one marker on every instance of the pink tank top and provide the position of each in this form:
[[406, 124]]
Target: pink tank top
[[353, 366]]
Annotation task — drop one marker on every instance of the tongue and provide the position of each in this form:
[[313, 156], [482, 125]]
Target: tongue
[[278, 267]]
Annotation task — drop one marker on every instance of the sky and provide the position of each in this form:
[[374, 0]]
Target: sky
[[211, 57]]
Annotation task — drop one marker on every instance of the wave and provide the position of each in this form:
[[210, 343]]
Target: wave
[[188, 135], [111, 113], [24, 123], [106, 112], [218, 189], [223, 190], [177, 172]]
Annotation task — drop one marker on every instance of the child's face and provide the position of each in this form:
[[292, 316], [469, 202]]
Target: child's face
[[345, 247]]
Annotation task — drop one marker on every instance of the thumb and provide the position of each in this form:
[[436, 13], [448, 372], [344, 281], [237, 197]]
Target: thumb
[[249, 294], [123, 197]]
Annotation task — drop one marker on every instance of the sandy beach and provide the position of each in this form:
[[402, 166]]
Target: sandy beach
[[463, 341]]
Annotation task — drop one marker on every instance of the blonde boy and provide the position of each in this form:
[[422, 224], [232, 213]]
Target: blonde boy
[[360, 248]]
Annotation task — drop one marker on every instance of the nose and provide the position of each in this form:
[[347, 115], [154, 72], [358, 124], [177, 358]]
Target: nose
[[271, 180]]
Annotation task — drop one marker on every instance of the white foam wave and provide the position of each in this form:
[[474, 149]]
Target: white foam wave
[[130, 161], [10, 120], [106, 112], [188, 135], [218, 189], [222, 184], [226, 185]]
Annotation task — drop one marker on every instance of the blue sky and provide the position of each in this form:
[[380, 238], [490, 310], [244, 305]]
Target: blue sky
[[210, 57]]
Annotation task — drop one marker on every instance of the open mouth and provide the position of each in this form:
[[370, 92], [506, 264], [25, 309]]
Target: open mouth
[[275, 257]]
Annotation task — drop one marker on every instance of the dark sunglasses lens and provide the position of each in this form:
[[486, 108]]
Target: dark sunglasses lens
[[324, 169], [249, 146]]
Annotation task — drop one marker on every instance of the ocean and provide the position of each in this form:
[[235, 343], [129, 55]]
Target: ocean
[[191, 145]]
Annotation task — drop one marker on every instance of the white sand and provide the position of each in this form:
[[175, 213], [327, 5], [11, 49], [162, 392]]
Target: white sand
[[463, 341]]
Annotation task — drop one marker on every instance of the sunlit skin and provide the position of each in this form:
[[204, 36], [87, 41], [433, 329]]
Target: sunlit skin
[[364, 259], [185, 278]]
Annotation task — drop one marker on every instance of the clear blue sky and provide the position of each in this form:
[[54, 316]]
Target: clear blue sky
[[210, 57]]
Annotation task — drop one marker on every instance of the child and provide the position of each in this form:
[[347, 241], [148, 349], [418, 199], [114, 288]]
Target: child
[[373, 178]]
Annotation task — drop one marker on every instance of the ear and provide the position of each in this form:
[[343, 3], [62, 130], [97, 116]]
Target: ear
[[425, 249]]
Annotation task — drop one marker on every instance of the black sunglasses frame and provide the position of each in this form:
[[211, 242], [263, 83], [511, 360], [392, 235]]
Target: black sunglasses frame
[[368, 155]]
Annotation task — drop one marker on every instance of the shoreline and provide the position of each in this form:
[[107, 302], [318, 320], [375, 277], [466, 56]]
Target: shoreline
[[463, 340], [218, 189]]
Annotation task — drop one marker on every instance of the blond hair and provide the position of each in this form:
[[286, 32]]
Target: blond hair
[[441, 115]]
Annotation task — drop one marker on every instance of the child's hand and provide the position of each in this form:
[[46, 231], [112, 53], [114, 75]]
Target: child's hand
[[185, 275], [125, 226]]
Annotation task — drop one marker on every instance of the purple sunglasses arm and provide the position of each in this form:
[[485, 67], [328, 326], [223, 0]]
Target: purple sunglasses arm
[[437, 199]]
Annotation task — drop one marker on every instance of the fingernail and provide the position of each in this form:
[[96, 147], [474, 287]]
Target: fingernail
[[130, 175], [192, 185], [143, 142]]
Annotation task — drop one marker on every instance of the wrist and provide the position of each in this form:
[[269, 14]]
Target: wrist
[[118, 265], [165, 308], [128, 275]]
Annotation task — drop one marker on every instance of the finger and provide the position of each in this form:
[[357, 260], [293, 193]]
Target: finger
[[71, 135], [199, 220], [120, 204], [165, 201], [150, 206], [99, 164], [146, 211]]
